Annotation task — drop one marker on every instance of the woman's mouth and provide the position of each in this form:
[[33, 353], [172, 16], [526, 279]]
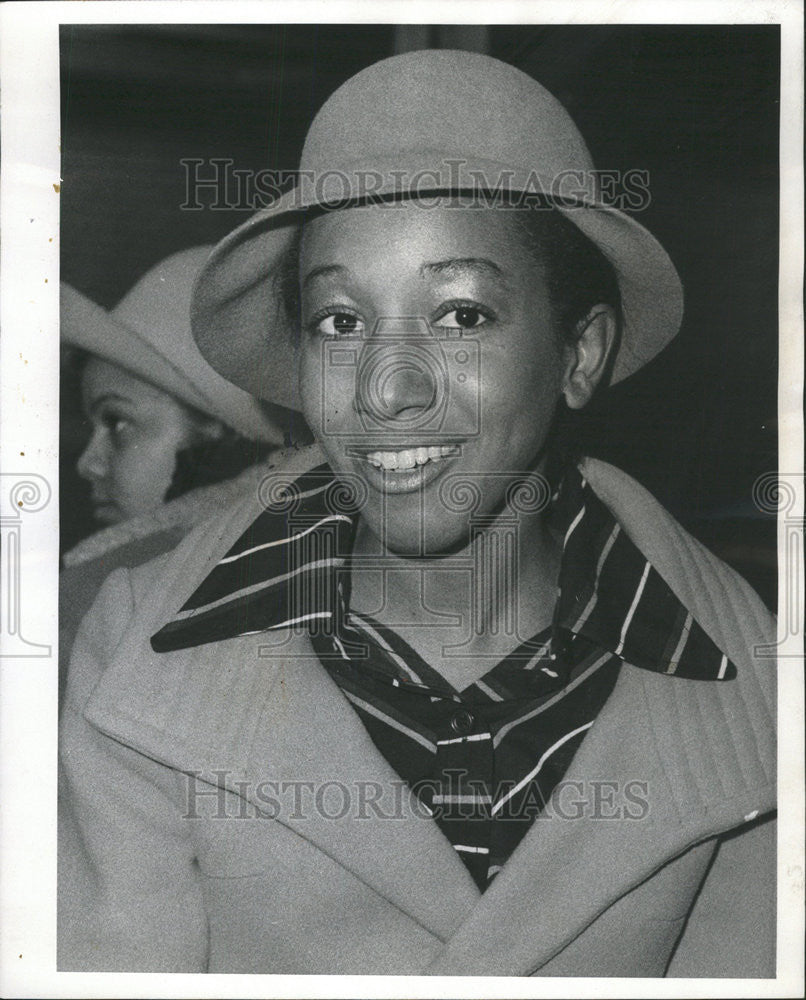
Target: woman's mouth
[[407, 469], [106, 511], [409, 458]]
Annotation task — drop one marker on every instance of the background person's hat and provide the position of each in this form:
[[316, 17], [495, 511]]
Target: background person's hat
[[148, 334], [428, 121]]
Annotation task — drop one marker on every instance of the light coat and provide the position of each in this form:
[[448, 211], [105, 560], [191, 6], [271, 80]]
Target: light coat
[[155, 876], [139, 540]]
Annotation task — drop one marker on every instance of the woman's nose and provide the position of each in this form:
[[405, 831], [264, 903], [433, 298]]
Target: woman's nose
[[92, 463], [397, 379], [403, 389]]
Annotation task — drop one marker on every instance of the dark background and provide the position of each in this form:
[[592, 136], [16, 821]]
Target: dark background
[[696, 106]]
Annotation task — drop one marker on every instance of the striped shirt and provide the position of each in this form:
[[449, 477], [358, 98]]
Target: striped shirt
[[488, 760], [484, 761]]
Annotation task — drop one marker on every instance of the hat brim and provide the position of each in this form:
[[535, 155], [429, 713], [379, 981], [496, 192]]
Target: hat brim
[[240, 326], [85, 325]]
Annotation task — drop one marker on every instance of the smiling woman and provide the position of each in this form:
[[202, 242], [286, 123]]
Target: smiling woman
[[373, 722], [495, 414], [489, 421]]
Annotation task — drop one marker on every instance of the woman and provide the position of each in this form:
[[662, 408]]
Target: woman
[[150, 397], [454, 702], [171, 441]]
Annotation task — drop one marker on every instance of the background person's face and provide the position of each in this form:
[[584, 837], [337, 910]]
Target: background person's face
[[137, 430], [482, 396]]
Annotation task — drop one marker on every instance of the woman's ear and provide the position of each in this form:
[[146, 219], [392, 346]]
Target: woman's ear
[[586, 359]]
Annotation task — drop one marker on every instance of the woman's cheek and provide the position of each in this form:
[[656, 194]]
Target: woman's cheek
[[145, 471], [310, 388]]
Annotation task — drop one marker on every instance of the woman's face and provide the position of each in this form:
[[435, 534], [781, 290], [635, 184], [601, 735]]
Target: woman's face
[[428, 352], [137, 430]]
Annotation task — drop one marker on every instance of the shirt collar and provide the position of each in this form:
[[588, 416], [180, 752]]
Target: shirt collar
[[609, 592], [284, 571]]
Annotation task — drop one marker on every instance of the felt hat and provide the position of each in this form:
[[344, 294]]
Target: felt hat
[[418, 124], [148, 334]]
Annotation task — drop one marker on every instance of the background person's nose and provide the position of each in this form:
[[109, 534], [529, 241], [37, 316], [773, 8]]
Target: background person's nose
[[92, 462]]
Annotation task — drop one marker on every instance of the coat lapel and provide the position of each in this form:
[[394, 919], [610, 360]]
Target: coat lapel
[[260, 708], [706, 751], [309, 733], [237, 718], [680, 742]]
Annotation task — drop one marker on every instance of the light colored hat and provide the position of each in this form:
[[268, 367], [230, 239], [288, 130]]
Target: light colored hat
[[434, 121], [148, 334]]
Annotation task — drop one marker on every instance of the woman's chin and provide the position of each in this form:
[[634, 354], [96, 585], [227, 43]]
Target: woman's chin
[[421, 539]]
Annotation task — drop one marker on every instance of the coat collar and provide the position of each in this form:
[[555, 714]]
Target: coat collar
[[182, 514], [262, 707], [608, 591]]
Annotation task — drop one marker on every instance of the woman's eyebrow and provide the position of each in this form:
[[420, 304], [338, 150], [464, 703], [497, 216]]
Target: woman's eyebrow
[[458, 266], [108, 397], [323, 269]]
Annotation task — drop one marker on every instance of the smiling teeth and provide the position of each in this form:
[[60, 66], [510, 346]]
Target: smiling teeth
[[409, 457]]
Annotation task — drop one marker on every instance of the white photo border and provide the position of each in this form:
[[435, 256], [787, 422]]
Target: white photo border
[[29, 446]]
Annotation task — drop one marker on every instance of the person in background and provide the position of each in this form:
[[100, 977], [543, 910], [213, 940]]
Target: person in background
[[171, 441]]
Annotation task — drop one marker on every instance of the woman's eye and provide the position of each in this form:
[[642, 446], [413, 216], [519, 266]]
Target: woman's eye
[[340, 324], [462, 318], [116, 424]]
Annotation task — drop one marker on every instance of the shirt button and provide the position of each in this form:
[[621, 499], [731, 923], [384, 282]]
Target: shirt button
[[463, 722]]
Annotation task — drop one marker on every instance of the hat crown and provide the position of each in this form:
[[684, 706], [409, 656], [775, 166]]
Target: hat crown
[[158, 306], [444, 104], [418, 124]]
